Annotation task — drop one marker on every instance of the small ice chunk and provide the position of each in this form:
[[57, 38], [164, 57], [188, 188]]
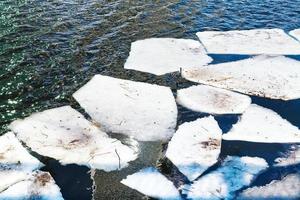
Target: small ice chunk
[[144, 111], [64, 134], [259, 124], [152, 183], [253, 42], [288, 188], [163, 55], [15, 162], [291, 158], [235, 173], [202, 98], [39, 185], [295, 33], [195, 146], [266, 76]]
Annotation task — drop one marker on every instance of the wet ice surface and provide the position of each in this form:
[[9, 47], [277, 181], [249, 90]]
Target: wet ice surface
[[163, 55], [247, 42], [295, 33]]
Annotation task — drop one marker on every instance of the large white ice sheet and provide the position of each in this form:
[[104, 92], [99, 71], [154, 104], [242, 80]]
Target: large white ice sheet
[[145, 111], [15, 162], [39, 185], [266, 76], [64, 134], [195, 146], [152, 183], [235, 173], [259, 124], [295, 33], [163, 55], [253, 42], [202, 98]]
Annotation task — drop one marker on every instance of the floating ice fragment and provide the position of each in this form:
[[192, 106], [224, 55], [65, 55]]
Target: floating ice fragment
[[288, 188], [145, 111], [64, 134], [152, 183], [195, 146], [253, 42], [235, 173], [15, 162], [291, 158], [259, 124], [163, 55], [202, 98], [39, 185], [295, 33], [266, 76]]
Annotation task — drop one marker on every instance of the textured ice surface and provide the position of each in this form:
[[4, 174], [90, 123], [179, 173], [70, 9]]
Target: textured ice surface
[[235, 173], [295, 33], [64, 134], [145, 111], [39, 185], [195, 146], [259, 124], [266, 76], [202, 98], [163, 55], [152, 183], [257, 41], [15, 162], [290, 158]]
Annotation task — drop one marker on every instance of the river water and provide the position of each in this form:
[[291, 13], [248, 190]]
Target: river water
[[50, 48]]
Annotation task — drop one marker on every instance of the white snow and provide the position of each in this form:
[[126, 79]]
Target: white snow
[[235, 173], [295, 33], [266, 76], [288, 188], [163, 55], [290, 158], [195, 146], [152, 183], [15, 162], [253, 42], [207, 99], [64, 134], [259, 124], [39, 185], [145, 111]]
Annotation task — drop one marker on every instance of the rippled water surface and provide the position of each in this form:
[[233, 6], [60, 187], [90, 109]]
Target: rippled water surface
[[49, 48]]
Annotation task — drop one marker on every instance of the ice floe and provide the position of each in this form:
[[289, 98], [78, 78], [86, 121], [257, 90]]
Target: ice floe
[[235, 173], [288, 188], [152, 183], [163, 55], [39, 185], [64, 134], [195, 146], [15, 162], [295, 33], [259, 124], [145, 111], [202, 98], [253, 42], [290, 158], [266, 76]]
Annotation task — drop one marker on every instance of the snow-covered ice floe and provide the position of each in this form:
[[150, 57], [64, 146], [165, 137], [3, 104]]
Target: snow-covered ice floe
[[292, 157], [39, 185], [15, 162], [253, 42], [295, 33], [235, 173], [266, 76], [202, 98], [286, 189], [259, 124], [152, 183], [145, 111], [64, 134], [163, 55], [195, 146]]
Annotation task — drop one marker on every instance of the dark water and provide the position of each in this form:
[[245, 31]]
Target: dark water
[[49, 48]]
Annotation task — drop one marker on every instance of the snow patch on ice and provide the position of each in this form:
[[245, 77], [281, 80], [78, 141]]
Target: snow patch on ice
[[290, 158], [295, 33]]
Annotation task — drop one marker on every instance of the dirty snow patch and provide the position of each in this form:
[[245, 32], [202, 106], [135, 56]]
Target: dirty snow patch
[[290, 158], [195, 146], [64, 134], [295, 33], [145, 111]]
